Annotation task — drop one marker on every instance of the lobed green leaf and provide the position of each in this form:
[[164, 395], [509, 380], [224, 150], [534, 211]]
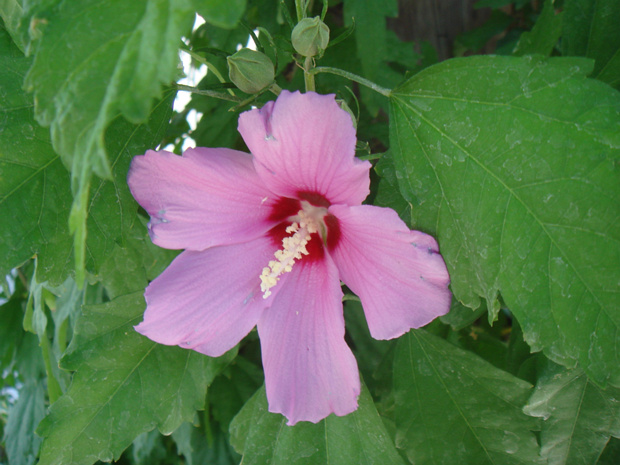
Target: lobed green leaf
[[512, 163], [453, 407]]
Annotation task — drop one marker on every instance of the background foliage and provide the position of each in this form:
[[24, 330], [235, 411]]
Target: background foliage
[[508, 154]]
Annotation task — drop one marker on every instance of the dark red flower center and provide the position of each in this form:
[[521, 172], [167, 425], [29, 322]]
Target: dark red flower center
[[304, 229]]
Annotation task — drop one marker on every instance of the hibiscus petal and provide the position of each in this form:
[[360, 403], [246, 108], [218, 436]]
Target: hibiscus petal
[[208, 301], [306, 143], [398, 274], [310, 371], [205, 198]]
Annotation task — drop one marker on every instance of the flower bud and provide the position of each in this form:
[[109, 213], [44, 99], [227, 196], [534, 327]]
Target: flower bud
[[250, 71], [310, 37]]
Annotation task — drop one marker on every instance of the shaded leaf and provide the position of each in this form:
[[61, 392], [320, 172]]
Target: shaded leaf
[[112, 218], [125, 385], [34, 186], [452, 407], [22, 445], [590, 29], [371, 39], [579, 416], [511, 162], [357, 439], [388, 194], [544, 35]]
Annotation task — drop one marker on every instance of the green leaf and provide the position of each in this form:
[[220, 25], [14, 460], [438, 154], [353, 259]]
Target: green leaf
[[452, 407], [34, 186], [461, 316], [579, 416], [120, 55], [112, 218], [511, 162], [590, 29], [11, 13], [22, 445], [125, 385], [611, 453], [221, 13], [130, 267], [477, 38], [388, 194], [544, 35], [371, 38], [356, 439]]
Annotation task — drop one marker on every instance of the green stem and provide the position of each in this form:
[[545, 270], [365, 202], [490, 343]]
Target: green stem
[[208, 93], [53, 388], [299, 9], [275, 89], [353, 77], [62, 335], [309, 75]]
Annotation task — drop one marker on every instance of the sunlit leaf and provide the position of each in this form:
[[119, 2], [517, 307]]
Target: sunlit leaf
[[511, 162], [120, 55]]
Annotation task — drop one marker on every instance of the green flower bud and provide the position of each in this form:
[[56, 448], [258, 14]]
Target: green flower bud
[[250, 71], [310, 37]]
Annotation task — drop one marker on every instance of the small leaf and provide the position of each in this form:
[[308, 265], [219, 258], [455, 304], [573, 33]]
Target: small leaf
[[125, 385], [544, 35], [511, 162], [579, 416], [356, 439], [452, 407]]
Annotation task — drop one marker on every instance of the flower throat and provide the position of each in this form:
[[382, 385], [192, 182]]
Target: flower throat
[[309, 220]]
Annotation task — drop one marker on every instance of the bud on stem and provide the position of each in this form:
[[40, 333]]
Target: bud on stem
[[250, 71]]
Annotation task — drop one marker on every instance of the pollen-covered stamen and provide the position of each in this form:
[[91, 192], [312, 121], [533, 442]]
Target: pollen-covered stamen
[[309, 220]]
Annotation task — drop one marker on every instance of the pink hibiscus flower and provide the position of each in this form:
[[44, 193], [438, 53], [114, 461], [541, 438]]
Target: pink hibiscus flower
[[268, 238]]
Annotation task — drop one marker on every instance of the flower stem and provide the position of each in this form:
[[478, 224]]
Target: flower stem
[[353, 77], [208, 93], [309, 75], [275, 89]]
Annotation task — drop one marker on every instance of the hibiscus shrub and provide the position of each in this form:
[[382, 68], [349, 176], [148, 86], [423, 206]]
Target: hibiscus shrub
[[272, 232]]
